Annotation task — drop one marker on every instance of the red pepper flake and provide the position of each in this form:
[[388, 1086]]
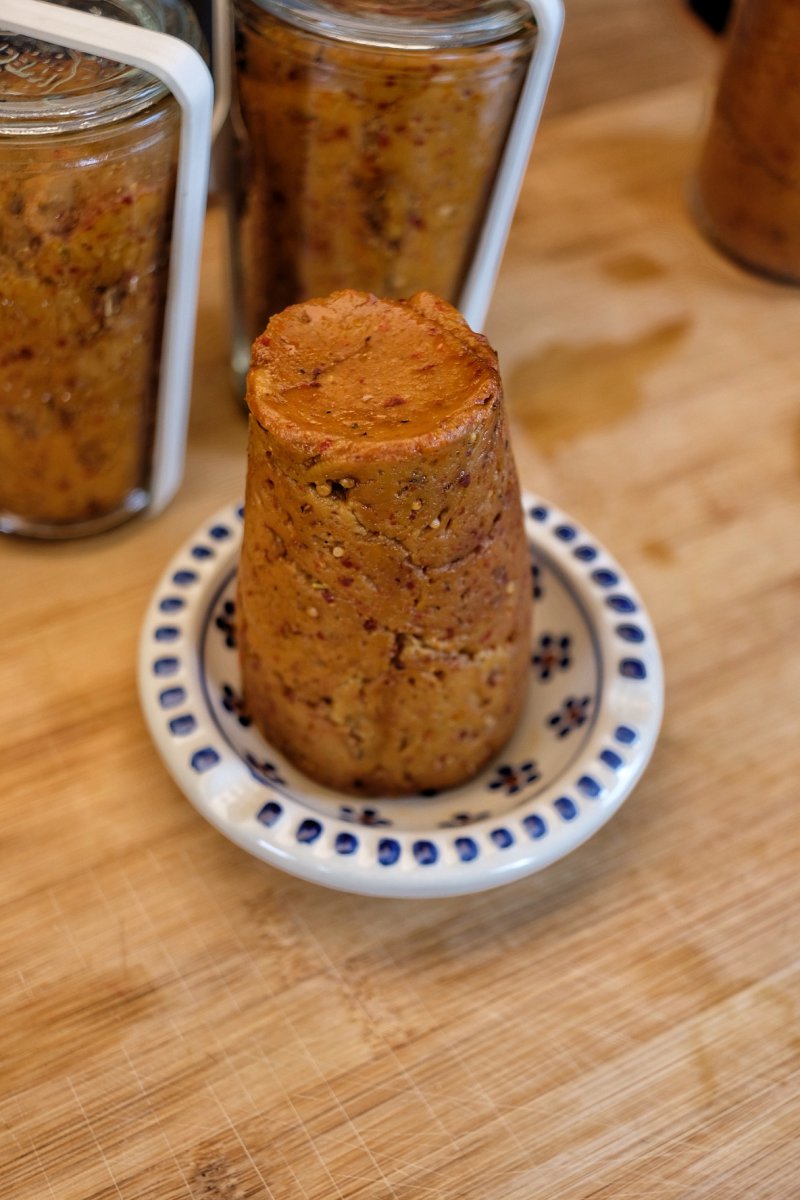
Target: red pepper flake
[[464, 479], [328, 597], [346, 580], [393, 401], [370, 624]]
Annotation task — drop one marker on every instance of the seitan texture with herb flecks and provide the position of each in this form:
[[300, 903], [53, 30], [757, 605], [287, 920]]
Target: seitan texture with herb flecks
[[384, 602]]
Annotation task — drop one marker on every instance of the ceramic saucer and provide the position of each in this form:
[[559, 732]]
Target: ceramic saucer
[[591, 718]]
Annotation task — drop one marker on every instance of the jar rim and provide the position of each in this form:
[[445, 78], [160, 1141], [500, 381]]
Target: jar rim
[[47, 89], [407, 24]]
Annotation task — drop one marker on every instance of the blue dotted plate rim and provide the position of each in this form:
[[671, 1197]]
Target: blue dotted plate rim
[[276, 824]]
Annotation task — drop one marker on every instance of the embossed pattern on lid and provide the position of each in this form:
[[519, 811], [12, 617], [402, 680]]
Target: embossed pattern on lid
[[46, 88], [30, 68]]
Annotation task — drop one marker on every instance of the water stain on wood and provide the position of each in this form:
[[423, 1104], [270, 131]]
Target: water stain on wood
[[632, 268], [659, 551], [566, 391]]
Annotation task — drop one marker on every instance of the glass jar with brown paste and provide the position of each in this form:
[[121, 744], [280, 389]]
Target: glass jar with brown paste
[[88, 159], [369, 138], [747, 192]]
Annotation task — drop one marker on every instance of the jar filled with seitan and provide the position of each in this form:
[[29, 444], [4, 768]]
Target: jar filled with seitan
[[88, 159], [747, 192], [384, 586], [370, 136]]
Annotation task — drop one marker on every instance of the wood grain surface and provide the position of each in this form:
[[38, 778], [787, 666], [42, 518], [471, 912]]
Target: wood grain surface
[[180, 1021]]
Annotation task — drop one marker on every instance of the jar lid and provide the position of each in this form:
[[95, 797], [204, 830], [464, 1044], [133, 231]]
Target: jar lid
[[46, 88], [407, 24]]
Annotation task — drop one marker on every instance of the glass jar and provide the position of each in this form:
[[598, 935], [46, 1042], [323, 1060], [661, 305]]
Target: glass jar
[[747, 192], [369, 140], [88, 159]]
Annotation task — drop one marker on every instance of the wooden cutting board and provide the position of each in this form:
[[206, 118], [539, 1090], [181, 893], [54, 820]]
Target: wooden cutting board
[[179, 1020]]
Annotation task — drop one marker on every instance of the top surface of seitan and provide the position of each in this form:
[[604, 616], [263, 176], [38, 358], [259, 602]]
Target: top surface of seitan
[[355, 369]]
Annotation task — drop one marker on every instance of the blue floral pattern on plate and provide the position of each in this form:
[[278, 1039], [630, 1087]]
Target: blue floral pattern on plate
[[587, 731]]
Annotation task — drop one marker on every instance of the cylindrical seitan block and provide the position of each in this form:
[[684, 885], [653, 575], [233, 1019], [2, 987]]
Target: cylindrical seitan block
[[384, 601]]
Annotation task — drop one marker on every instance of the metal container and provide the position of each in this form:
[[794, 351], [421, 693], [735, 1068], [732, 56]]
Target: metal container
[[90, 237]]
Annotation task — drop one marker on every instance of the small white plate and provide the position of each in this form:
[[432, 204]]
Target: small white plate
[[588, 729]]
